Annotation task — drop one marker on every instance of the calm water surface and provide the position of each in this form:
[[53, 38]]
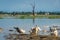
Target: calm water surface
[[25, 24]]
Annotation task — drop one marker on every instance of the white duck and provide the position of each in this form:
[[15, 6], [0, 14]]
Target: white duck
[[35, 29], [19, 30]]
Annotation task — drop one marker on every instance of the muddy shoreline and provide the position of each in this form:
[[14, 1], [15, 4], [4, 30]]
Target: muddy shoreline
[[29, 37]]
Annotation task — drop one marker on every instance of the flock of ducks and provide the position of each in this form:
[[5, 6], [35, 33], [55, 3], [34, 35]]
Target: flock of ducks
[[35, 30]]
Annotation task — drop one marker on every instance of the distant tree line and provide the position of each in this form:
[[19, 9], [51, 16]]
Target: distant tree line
[[29, 13], [50, 13]]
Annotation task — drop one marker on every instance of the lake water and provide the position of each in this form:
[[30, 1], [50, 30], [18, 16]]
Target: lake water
[[25, 24]]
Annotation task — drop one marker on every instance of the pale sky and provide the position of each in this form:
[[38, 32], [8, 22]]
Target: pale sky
[[25, 5]]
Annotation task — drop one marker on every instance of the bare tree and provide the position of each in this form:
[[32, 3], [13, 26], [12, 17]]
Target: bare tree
[[33, 8]]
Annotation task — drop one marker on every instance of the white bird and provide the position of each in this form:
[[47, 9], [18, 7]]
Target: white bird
[[35, 29], [55, 32], [19, 30]]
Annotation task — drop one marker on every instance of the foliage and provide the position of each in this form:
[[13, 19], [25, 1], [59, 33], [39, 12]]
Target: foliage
[[29, 13]]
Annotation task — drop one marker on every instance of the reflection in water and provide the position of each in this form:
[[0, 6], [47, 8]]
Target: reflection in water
[[33, 20]]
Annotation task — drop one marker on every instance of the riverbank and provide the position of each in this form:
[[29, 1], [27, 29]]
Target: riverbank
[[29, 16]]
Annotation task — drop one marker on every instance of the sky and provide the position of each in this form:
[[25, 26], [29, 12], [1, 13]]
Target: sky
[[26, 5]]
